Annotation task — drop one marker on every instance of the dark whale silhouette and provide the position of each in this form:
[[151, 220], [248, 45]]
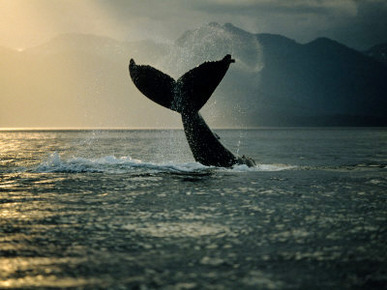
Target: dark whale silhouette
[[187, 96]]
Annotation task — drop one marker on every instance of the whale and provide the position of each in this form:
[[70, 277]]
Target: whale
[[187, 95]]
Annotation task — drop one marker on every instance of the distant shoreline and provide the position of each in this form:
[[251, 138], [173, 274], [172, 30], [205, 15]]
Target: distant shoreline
[[181, 129]]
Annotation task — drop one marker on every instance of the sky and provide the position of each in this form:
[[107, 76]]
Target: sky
[[59, 92], [359, 24]]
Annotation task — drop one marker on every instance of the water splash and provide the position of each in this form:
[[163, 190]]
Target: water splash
[[213, 42], [125, 164], [110, 164]]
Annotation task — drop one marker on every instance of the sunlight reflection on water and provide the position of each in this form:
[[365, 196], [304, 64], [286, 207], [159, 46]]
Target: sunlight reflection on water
[[86, 212]]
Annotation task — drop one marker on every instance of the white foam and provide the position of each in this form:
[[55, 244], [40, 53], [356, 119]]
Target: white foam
[[113, 164], [274, 167], [110, 164], [262, 167]]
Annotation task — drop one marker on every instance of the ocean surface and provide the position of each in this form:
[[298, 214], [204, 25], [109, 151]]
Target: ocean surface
[[130, 209]]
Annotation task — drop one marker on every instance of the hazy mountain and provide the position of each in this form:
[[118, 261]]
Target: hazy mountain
[[319, 83], [72, 81], [325, 83], [378, 52], [82, 80]]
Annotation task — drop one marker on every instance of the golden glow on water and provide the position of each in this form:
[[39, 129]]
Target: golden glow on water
[[9, 266], [12, 211], [179, 230]]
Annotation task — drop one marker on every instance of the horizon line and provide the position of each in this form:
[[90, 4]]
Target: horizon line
[[106, 128], [25, 129]]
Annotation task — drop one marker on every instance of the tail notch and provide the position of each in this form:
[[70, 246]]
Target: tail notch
[[189, 93]]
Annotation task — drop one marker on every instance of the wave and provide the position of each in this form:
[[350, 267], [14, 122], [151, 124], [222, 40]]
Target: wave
[[108, 164], [111, 164], [55, 163]]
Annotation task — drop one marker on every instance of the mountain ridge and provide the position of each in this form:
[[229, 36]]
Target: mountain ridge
[[378, 52], [313, 84], [275, 81]]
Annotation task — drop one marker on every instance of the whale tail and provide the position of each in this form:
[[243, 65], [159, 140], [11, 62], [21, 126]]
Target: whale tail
[[189, 93], [187, 96]]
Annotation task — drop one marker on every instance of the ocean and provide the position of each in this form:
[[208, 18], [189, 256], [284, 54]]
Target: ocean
[[131, 209]]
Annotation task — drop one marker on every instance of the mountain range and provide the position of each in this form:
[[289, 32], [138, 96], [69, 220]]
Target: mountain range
[[79, 80]]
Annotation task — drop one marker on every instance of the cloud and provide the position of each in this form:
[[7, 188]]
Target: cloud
[[298, 7], [299, 19], [364, 29], [357, 23]]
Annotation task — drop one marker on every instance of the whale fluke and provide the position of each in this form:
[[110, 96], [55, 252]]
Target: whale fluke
[[190, 92], [154, 84], [187, 96]]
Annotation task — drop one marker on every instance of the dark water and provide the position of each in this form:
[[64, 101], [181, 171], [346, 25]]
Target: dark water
[[131, 209]]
